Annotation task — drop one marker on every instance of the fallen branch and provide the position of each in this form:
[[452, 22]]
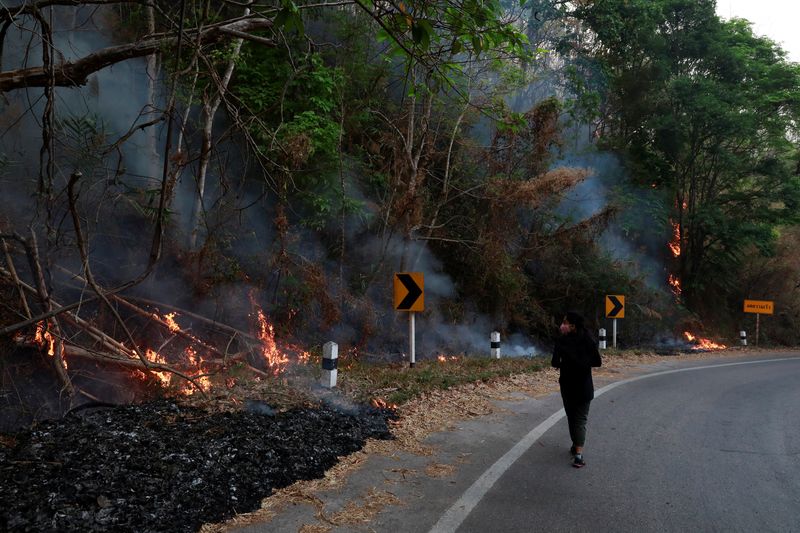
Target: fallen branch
[[76, 73], [151, 316], [107, 341], [32, 251], [120, 352], [76, 351], [213, 323]]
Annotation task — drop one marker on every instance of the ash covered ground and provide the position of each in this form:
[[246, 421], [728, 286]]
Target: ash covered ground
[[165, 467]]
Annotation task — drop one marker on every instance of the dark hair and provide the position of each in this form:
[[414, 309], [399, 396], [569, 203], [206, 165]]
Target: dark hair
[[576, 319]]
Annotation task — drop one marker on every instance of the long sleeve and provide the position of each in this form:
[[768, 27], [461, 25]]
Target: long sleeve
[[555, 362], [595, 359]]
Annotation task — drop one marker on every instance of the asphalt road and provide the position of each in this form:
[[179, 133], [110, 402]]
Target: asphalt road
[[688, 446], [711, 449]]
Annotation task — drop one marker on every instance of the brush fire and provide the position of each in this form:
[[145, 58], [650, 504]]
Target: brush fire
[[675, 243], [205, 459], [700, 343], [167, 353]]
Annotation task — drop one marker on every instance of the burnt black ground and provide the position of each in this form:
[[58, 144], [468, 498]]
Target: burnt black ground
[[165, 467]]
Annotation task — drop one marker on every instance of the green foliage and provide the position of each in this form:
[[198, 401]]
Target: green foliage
[[436, 34], [296, 120], [705, 110], [289, 18], [82, 138]]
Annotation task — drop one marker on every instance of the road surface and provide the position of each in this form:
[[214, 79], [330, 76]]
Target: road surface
[[691, 446]]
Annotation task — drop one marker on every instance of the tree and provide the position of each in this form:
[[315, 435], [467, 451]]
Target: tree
[[193, 40], [708, 111]]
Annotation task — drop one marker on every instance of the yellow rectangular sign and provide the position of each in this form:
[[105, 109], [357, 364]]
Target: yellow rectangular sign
[[764, 307], [615, 306], [409, 291]]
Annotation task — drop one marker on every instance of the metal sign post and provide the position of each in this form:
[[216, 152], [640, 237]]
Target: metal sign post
[[615, 308], [614, 334], [409, 295], [411, 343], [759, 307]]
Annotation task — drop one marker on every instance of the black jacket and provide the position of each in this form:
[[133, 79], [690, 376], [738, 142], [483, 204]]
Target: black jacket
[[575, 354]]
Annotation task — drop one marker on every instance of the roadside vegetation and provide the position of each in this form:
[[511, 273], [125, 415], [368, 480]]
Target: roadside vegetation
[[274, 164]]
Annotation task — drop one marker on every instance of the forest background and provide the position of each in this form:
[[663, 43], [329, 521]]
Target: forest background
[[529, 158]]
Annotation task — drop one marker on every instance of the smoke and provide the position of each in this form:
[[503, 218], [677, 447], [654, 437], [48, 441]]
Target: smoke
[[87, 120], [520, 345], [635, 237]]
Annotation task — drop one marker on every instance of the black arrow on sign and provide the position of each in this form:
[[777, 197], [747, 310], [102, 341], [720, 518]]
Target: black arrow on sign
[[617, 307], [414, 292]]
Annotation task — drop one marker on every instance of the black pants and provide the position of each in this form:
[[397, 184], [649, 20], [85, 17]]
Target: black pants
[[577, 415]]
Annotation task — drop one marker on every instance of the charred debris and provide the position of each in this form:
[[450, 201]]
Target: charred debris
[[161, 466]]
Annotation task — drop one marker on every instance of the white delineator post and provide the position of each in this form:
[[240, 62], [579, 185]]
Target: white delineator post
[[330, 356], [743, 337], [601, 338], [495, 344]]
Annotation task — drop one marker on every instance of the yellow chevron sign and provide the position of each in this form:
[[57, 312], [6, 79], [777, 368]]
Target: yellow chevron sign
[[409, 291], [615, 306]]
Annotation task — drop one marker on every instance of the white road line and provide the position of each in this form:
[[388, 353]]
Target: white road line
[[455, 515]]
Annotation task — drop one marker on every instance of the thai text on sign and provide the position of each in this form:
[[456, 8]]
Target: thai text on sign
[[763, 307]]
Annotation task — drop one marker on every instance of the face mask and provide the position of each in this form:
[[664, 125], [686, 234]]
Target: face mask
[[564, 329]]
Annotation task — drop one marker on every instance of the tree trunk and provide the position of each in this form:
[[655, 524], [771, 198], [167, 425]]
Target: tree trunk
[[153, 157], [209, 111]]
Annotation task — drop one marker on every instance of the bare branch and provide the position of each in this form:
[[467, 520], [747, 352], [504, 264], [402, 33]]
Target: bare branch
[[76, 73]]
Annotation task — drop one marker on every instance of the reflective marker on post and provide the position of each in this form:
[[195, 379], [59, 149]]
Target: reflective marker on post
[[330, 356], [495, 344], [743, 337], [602, 338]]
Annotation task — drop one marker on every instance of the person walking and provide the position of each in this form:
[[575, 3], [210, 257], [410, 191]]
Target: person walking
[[575, 354]]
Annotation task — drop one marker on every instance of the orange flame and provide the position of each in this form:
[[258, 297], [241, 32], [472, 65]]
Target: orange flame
[[276, 360], [191, 356], [703, 344], [165, 379], [204, 382], [192, 360], [675, 282], [380, 403], [675, 243], [154, 357], [43, 338], [444, 358], [169, 321], [171, 324]]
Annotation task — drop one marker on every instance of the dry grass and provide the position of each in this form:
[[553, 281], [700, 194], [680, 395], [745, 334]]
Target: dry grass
[[313, 528], [364, 511], [439, 470]]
